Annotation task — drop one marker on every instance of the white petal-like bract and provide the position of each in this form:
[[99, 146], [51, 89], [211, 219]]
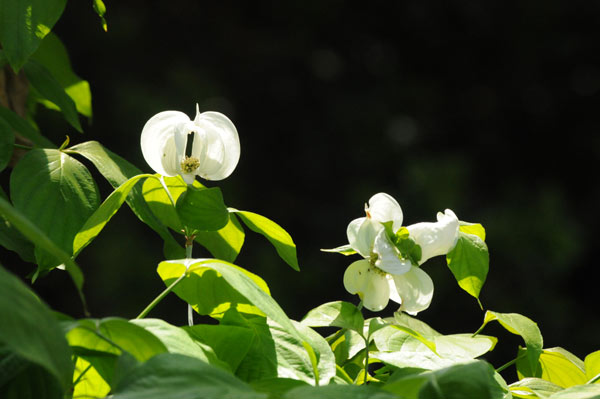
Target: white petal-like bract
[[383, 208], [372, 287], [388, 258], [215, 148], [415, 289], [436, 238]]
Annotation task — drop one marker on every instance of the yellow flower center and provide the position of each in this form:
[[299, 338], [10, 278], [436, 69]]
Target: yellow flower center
[[373, 268], [190, 164]]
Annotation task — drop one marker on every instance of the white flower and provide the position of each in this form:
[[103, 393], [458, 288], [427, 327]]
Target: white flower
[[385, 273], [214, 152], [436, 238]]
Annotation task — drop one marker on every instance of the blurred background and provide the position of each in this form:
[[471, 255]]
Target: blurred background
[[487, 108]]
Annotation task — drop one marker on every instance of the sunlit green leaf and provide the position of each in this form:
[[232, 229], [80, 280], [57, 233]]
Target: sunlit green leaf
[[89, 382], [460, 347], [208, 292], [96, 222], [114, 335], [555, 365], [23, 24], [526, 328], [161, 205], [469, 263], [177, 340], [117, 171], [225, 243], [202, 209], [592, 367], [324, 357], [30, 330], [533, 388], [475, 379], [49, 88], [177, 376], [45, 180], [335, 314], [473, 228], [53, 55], [100, 9], [281, 240], [343, 249], [338, 391], [590, 391]]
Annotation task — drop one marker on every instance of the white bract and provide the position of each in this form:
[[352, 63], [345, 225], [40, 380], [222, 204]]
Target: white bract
[[385, 273], [215, 146]]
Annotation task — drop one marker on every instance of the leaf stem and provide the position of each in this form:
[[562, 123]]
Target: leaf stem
[[366, 360], [189, 246], [23, 147], [160, 297], [162, 183], [505, 366]]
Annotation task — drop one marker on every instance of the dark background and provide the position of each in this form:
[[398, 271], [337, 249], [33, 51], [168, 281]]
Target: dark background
[[487, 108]]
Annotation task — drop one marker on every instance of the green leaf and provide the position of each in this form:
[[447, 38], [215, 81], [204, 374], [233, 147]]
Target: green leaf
[[160, 203], [114, 335], [178, 376], [30, 330], [24, 127], [96, 222], [7, 141], [225, 243], [32, 382], [276, 386], [592, 367], [591, 391], [12, 239], [555, 365], [460, 347], [100, 9], [403, 319], [34, 234], [202, 209], [469, 263], [526, 328], [243, 282], [207, 291], [23, 24], [472, 228], [46, 85], [56, 191], [53, 55], [90, 382], [336, 392], [177, 340], [335, 314], [324, 359], [117, 171], [475, 379], [277, 236], [230, 343], [345, 250], [258, 349], [530, 387]]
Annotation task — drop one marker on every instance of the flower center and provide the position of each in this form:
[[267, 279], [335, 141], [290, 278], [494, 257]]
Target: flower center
[[374, 268], [189, 164]]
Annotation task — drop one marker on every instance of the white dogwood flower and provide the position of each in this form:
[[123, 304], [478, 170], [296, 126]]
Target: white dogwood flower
[[386, 273], [211, 152]]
